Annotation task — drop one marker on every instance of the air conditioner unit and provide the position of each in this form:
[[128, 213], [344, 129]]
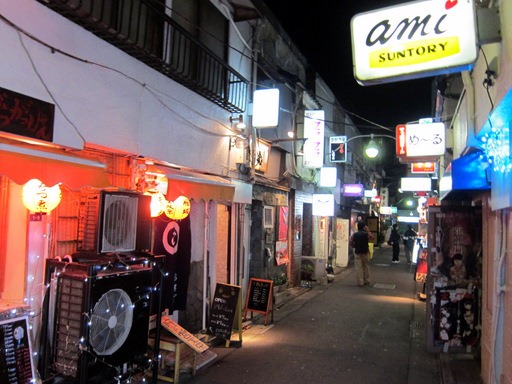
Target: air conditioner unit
[[114, 222], [101, 322], [319, 264]]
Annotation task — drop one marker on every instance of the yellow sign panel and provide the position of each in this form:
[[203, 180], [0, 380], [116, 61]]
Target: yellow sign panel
[[415, 52]]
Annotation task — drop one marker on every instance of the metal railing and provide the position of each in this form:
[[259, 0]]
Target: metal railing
[[142, 29]]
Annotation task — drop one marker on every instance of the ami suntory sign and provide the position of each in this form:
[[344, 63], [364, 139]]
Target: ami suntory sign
[[412, 40]]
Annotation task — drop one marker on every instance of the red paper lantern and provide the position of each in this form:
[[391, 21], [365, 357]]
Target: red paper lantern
[[158, 202]]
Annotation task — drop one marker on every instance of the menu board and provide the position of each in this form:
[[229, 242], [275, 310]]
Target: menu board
[[223, 311], [15, 352], [259, 297]]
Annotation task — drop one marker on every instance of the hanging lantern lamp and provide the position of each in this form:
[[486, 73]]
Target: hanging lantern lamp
[[158, 202], [37, 197], [178, 209]]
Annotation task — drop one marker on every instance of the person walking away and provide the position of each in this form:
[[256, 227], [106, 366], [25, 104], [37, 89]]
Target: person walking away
[[394, 240], [409, 239], [359, 241]]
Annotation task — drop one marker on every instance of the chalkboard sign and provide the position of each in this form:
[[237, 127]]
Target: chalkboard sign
[[15, 352], [259, 297], [225, 308]]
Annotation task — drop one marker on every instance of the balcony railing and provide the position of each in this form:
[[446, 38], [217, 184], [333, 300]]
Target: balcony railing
[[143, 30]]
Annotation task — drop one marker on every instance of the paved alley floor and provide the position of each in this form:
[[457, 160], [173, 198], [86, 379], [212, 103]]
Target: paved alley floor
[[337, 333]]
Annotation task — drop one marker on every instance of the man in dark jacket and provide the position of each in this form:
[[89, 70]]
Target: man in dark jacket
[[394, 240], [409, 239], [359, 241]]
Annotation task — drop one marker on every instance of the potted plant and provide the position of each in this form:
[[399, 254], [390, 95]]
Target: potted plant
[[280, 279], [306, 272]]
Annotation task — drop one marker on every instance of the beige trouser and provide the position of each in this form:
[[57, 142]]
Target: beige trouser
[[361, 263]]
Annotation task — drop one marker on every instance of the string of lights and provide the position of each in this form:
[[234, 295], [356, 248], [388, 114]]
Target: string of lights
[[75, 346]]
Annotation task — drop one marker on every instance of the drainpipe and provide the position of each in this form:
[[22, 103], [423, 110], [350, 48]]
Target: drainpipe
[[241, 247], [205, 264], [470, 103], [254, 76]]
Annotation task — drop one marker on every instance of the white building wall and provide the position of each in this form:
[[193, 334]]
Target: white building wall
[[106, 98], [496, 343]]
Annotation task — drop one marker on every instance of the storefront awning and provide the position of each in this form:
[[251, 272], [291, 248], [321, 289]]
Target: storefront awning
[[465, 175], [197, 186], [20, 163]]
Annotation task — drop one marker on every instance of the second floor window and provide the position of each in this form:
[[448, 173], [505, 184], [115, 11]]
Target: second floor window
[[203, 21], [186, 40]]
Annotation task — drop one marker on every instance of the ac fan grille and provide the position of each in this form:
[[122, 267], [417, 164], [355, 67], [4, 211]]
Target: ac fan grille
[[70, 295], [119, 223], [111, 322]]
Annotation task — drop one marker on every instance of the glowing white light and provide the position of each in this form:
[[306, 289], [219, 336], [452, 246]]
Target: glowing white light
[[38, 197]]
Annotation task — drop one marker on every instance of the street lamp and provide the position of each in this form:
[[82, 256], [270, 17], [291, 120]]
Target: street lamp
[[407, 200], [372, 149]]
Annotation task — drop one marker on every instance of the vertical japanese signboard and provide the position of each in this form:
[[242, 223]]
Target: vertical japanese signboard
[[314, 125]]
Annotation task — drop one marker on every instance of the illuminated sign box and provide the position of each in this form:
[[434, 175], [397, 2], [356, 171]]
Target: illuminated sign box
[[265, 109], [420, 140], [423, 167], [328, 177], [323, 205], [376, 199], [412, 40], [338, 148], [354, 190], [415, 184], [314, 126], [370, 192]]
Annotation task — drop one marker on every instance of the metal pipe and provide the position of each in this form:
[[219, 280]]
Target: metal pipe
[[205, 263]]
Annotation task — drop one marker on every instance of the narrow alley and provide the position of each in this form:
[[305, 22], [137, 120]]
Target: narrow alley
[[338, 333]]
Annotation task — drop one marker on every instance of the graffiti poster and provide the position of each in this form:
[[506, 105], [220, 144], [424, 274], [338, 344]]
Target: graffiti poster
[[283, 223], [282, 252]]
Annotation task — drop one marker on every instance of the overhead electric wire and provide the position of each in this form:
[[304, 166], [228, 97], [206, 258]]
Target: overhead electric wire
[[153, 91], [228, 15], [77, 58]]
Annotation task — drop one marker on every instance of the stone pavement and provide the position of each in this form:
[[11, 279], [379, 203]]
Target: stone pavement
[[339, 332]]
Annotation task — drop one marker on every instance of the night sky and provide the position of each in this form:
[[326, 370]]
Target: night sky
[[321, 30]]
